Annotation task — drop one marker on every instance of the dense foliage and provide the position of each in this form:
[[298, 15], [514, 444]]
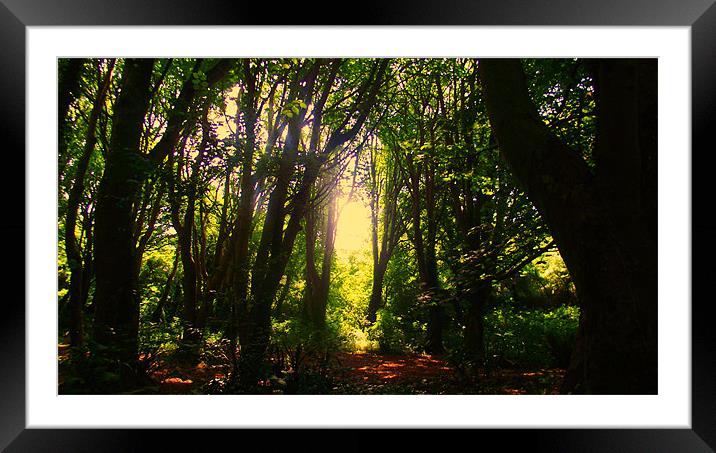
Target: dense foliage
[[211, 216]]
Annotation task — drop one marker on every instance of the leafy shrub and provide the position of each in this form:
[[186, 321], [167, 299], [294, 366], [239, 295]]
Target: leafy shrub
[[561, 333], [530, 338], [387, 332]]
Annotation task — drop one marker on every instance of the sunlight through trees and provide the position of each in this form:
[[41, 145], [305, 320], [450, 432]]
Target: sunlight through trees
[[253, 225]]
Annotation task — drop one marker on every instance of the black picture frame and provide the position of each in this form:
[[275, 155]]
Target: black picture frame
[[16, 15]]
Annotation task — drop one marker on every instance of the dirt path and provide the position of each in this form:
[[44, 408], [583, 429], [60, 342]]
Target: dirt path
[[365, 373], [377, 374], [371, 373], [368, 373]]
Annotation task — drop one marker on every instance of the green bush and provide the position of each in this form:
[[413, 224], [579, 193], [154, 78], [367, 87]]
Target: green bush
[[530, 338]]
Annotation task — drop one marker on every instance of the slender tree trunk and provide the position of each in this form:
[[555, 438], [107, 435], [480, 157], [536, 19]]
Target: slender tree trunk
[[283, 295], [72, 247], [247, 104], [318, 285], [313, 281], [427, 265], [158, 312], [88, 259], [614, 274], [116, 297], [475, 324], [393, 228], [278, 237], [376, 292], [67, 87], [275, 244], [436, 321]]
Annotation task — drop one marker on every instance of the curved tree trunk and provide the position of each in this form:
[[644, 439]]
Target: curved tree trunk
[[72, 246], [595, 217], [276, 244]]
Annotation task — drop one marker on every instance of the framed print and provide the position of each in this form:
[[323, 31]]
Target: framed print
[[678, 39]]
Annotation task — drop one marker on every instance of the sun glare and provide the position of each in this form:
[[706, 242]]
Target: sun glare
[[353, 230]]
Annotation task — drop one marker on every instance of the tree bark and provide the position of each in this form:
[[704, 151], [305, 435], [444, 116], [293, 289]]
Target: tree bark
[[376, 292], [72, 247], [318, 284], [425, 250], [158, 313], [475, 324], [185, 233], [614, 273], [393, 228], [67, 86], [276, 244], [116, 295]]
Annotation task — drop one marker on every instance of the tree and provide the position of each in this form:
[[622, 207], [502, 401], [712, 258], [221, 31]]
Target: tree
[[276, 242], [602, 219], [77, 295], [385, 183], [321, 221], [493, 230], [116, 320], [119, 242]]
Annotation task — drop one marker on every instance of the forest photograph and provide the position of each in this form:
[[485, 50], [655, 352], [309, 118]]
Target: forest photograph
[[357, 226]]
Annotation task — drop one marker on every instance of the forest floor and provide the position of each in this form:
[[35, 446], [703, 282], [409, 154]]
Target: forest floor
[[365, 373], [372, 373]]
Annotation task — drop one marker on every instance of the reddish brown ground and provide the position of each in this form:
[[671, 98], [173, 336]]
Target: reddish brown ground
[[424, 374], [371, 373], [375, 373], [183, 380]]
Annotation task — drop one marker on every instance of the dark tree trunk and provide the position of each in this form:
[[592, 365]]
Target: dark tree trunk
[[475, 324], [278, 237], [72, 246], [376, 292], [393, 227], [283, 295], [254, 321], [67, 86], [240, 268], [594, 217], [116, 296], [186, 234], [425, 252], [88, 259], [318, 284], [158, 313]]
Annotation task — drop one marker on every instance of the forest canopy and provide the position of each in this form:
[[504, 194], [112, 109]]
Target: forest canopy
[[344, 225]]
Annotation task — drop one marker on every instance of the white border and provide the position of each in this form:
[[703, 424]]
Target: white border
[[671, 408]]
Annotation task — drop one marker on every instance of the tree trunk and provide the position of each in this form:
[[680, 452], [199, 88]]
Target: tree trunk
[[614, 273], [278, 238], [436, 321], [389, 186], [186, 233], [158, 312], [116, 295], [241, 264], [67, 86], [318, 285], [72, 247], [376, 292], [475, 325]]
